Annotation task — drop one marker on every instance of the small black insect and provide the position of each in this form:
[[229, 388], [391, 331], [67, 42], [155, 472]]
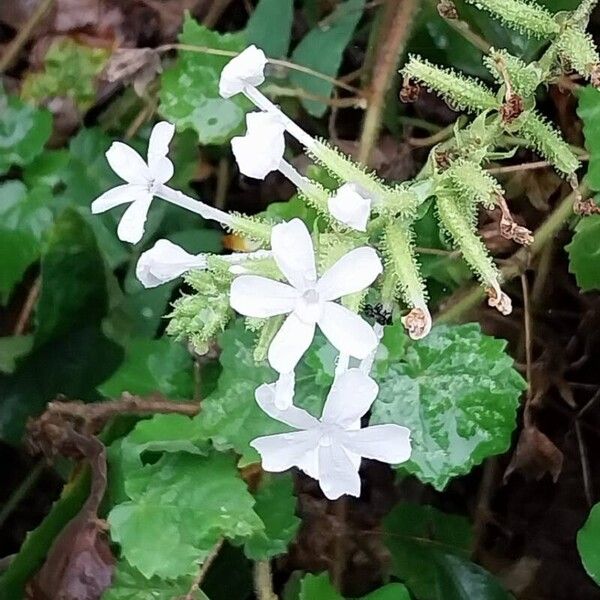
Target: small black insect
[[380, 314]]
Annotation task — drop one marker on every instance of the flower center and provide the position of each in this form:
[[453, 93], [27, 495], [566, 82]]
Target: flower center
[[152, 186], [309, 306]]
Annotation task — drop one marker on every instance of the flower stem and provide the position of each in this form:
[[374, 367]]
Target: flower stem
[[204, 210]]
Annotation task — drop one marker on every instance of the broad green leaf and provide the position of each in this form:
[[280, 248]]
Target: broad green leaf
[[72, 365], [11, 349], [274, 41], [319, 587], [589, 111], [189, 95], [24, 130], [430, 551], [70, 70], [24, 217], [129, 584], [588, 544], [457, 391], [276, 506], [230, 415], [152, 366], [46, 168], [322, 49], [73, 289], [584, 253], [179, 508]]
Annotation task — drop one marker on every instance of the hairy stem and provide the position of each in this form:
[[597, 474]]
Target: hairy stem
[[263, 580]]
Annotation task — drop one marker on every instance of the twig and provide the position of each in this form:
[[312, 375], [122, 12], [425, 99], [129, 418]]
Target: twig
[[391, 39], [28, 307], [208, 561], [465, 30], [585, 467], [222, 183], [263, 581], [15, 498], [482, 508], [527, 416], [95, 415], [279, 91], [514, 266], [22, 36], [274, 61], [216, 10]]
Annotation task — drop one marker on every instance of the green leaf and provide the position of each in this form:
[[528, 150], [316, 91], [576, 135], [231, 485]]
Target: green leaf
[[230, 416], [260, 30], [276, 506], [588, 544], [589, 112], [430, 551], [70, 70], [152, 366], [318, 587], [129, 584], [189, 95], [73, 290], [322, 49], [24, 130], [72, 365], [457, 392], [11, 349], [24, 217], [179, 508], [584, 253]]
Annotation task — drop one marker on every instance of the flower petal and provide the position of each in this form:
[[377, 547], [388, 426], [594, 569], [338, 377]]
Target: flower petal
[[255, 296], [131, 226], [294, 253], [164, 262], [348, 332], [282, 451], [260, 151], [122, 194], [386, 443], [338, 474], [284, 390], [290, 343], [350, 397], [160, 166], [352, 273], [292, 416], [127, 163], [245, 69], [350, 207]]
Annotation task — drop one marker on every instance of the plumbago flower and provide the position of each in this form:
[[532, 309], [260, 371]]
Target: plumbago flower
[[307, 300], [166, 261], [330, 449], [143, 180]]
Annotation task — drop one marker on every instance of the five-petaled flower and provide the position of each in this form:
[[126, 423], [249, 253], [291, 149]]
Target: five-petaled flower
[[330, 449], [143, 180], [307, 300]]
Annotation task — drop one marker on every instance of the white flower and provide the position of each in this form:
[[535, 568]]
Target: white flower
[[260, 151], [350, 207], [306, 300], [164, 262], [246, 69], [330, 449], [143, 179]]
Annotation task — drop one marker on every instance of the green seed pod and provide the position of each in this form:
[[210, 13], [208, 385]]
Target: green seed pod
[[543, 138], [466, 240], [459, 91], [522, 16], [578, 51], [474, 183]]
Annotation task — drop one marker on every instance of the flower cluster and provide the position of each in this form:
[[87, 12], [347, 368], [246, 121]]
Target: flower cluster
[[294, 280]]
